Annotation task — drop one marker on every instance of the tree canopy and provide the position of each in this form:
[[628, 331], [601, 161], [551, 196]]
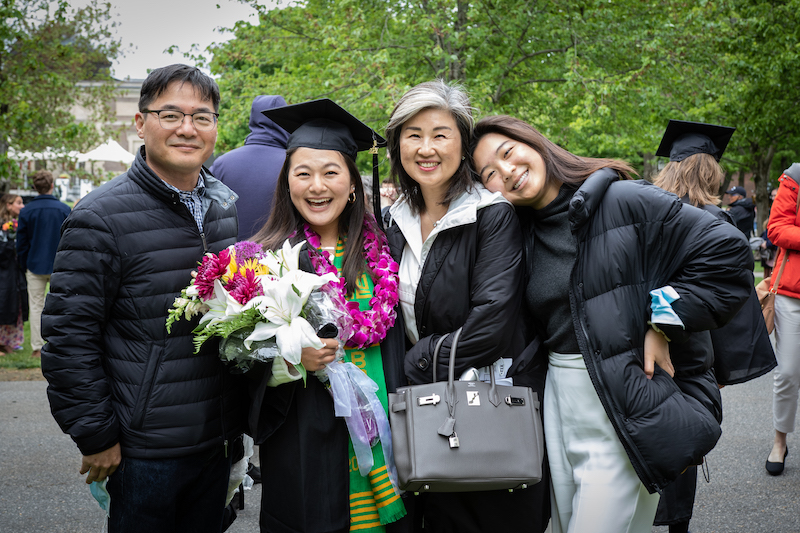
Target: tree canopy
[[599, 77], [46, 49]]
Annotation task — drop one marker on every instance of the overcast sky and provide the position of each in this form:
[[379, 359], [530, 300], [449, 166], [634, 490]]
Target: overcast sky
[[141, 29]]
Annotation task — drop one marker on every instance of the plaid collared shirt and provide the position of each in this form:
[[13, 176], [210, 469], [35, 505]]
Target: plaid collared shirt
[[193, 200]]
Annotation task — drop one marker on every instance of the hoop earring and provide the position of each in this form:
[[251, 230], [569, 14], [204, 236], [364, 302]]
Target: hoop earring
[[352, 198]]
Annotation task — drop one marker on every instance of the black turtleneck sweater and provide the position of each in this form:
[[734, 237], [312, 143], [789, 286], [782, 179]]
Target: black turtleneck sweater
[[549, 269]]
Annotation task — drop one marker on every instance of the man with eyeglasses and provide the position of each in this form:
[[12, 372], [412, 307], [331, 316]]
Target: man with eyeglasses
[[154, 419]]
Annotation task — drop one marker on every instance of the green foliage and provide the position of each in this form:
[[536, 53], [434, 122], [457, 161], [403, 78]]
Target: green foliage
[[599, 77], [588, 74], [47, 48]]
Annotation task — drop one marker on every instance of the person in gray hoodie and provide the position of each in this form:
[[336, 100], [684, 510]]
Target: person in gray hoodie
[[252, 170]]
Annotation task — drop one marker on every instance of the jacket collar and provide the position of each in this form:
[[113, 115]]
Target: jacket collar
[[587, 198], [144, 176], [462, 211], [44, 197]]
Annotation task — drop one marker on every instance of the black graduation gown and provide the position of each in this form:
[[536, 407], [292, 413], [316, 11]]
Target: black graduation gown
[[13, 288], [742, 351], [303, 447]]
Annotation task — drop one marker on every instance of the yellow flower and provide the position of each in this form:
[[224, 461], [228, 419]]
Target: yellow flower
[[257, 268]]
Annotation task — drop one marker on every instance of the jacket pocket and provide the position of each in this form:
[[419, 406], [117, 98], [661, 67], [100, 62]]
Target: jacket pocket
[[146, 387]]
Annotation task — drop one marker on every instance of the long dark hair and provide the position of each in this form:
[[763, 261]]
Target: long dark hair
[[285, 222], [560, 165]]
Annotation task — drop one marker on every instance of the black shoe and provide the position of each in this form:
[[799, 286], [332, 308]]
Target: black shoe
[[254, 472], [776, 469]]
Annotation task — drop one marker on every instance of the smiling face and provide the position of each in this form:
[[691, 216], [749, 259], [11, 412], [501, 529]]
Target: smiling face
[[514, 169], [430, 150], [16, 206], [176, 156], [319, 186]]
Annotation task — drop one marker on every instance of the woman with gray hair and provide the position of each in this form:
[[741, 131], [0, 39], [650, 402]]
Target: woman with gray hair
[[459, 248]]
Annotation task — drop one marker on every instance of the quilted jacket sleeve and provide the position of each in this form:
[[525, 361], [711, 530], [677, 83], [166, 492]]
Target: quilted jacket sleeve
[[708, 262], [82, 290]]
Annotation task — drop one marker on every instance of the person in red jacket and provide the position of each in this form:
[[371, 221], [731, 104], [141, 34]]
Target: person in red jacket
[[784, 232]]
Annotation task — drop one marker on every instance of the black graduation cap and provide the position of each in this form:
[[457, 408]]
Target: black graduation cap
[[325, 125], [682, 139]]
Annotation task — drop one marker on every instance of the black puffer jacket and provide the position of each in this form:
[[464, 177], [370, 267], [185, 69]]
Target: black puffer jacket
[[472, 277], [744, 213], [632, 238], [115, 375]]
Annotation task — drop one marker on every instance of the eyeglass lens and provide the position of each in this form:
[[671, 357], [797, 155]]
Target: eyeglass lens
[[172, 120]]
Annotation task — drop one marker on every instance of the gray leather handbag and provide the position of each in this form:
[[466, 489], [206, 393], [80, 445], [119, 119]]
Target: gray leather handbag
[[460, 436]]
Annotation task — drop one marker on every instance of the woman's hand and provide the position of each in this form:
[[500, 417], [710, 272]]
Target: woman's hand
[[656, 352], [313, 359]]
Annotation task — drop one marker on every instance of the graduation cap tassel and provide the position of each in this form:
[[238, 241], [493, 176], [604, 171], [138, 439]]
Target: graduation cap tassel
[[376, 185]]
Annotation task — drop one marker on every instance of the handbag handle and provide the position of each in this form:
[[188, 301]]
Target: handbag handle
[[494, 397]]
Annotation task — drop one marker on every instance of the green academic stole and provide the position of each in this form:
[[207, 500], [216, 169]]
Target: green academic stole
[[373, 499]]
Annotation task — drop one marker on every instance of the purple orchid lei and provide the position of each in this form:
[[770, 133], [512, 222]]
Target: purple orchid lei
[[370, 326]]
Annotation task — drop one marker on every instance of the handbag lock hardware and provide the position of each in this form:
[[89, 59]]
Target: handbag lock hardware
[[433, 399], [514, 402]]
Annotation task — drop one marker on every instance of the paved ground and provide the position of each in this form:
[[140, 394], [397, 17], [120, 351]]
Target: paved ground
[[41, 490], [40, 487]]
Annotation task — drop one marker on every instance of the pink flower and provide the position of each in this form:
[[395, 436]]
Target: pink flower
[[244, 288], [369, 326], [213, 267]]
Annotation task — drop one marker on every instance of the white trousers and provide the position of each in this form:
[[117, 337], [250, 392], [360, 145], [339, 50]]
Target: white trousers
[[787, 374], [594, 487], [37, 287]]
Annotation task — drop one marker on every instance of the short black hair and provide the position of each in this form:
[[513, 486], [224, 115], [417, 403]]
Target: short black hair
[[159, 79]]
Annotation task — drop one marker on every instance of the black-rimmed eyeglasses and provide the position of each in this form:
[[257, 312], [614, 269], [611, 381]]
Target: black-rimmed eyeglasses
[[170, 119]]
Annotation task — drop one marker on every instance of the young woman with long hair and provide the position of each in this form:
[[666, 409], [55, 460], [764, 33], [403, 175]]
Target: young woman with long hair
[[310, 475], [616, 269]]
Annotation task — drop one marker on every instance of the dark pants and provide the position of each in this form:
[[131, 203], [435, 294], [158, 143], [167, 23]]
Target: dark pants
[[169, 495]]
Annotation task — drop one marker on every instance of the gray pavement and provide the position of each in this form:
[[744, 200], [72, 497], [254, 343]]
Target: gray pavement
[[41, 490], [40, 487]]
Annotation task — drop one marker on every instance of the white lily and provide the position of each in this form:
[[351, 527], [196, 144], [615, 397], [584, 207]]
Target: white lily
[[281, 306], [285, 259], [222, 308]]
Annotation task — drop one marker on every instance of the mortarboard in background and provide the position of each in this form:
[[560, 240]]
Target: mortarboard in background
[[682, 139]]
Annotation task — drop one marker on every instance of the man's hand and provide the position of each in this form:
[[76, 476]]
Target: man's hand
[[656, 352], [101, 465]]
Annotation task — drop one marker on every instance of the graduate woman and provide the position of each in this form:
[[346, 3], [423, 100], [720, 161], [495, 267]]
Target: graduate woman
[[741, 349], [311, 481], [617, 269]]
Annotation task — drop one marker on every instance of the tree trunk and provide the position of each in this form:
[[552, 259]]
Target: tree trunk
[[649, 166], [761, 170], [726, 183]]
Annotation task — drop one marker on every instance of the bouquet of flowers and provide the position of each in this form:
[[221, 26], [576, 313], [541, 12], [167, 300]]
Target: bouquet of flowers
[[10, 229], [260, 304], [263, 306]]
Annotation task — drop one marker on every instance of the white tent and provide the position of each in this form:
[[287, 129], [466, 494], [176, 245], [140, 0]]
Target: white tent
[[47, 155], [108, 151]]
